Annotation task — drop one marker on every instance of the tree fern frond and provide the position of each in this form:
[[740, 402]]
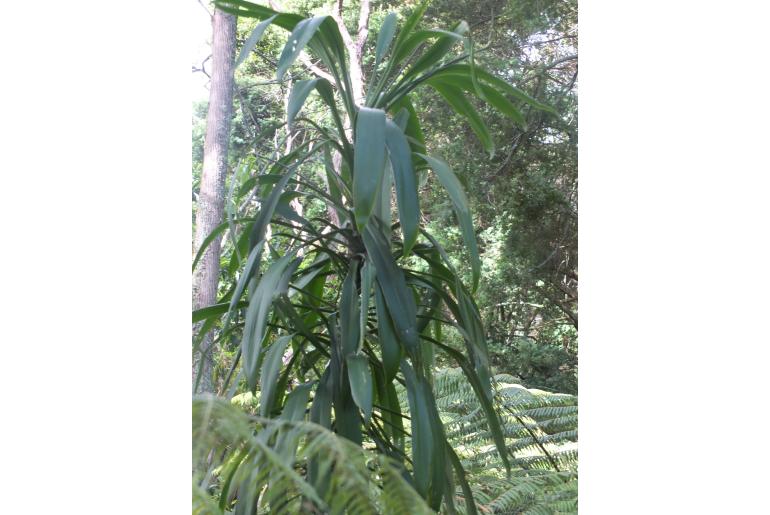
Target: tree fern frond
[[255, 473]]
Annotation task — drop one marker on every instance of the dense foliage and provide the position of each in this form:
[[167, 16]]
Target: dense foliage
[[355, 277]]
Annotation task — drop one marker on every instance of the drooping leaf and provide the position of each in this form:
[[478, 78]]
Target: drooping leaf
[[252, 265], [490, 95], [367, 278], [251, 10], [321, 409], [209, 312], [256, 318], [452, 185], [296, 401], [438, 50], [271, 366], [214, 234], [499, 84], [406, 184], [368, 161], [413, 128], [492, 417], [299, 37], [438, 452], [474, 337], [299, 92], [361, 383], [254, 38], [349, 312], [391, 350], [470, 503], [347, 419], [456, 99], [422, 433], [268, 208], [390, 277]]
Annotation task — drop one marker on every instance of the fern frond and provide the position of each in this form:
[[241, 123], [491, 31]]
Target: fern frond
[[253, 464]]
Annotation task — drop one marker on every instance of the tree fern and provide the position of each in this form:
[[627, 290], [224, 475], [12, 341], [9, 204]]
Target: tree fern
[[299, 466], [252, 464], [544, 479]]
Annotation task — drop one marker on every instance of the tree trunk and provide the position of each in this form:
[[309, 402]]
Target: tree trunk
[[211, 198]]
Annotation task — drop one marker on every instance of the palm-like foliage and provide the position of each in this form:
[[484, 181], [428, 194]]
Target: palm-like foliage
[[347, 313]]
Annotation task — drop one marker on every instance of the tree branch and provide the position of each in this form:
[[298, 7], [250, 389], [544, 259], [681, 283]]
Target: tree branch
[[363, 28], [356, 74]]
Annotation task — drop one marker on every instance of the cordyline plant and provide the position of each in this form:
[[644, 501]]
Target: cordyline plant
[[338, 316]]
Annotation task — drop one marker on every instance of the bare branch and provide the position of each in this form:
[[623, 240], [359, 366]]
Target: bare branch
[[363, 28], [202, 68], [200, 2], [356, 74]]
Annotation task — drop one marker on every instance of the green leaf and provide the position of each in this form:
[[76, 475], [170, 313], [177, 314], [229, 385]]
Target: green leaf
[[456, 99], [297, 97], [497, 83], [470, 48], [368, 161], [391, 351], [346, 413], [490, 95], [326, 93], [407, 30], [250, 10], [406, 184], [212, 311], [398, 297], [271, 367], [214, 234], [349, 312], [294, 408], [470, 504], [456, 193], [299, 37], [254, 38], [491, 415], [361, 383], [252, 266], [422, 431], [413, 128], [396, 418], [415, 39], [384, 38], [321, 409], [256, 318], [438, 50], [367, 277], [268, 208], [476, 344]]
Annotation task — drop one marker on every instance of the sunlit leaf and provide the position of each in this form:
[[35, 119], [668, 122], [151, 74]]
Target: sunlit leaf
[[299, 37]]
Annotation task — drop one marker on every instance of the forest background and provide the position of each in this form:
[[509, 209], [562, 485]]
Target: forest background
[[524, 198]]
